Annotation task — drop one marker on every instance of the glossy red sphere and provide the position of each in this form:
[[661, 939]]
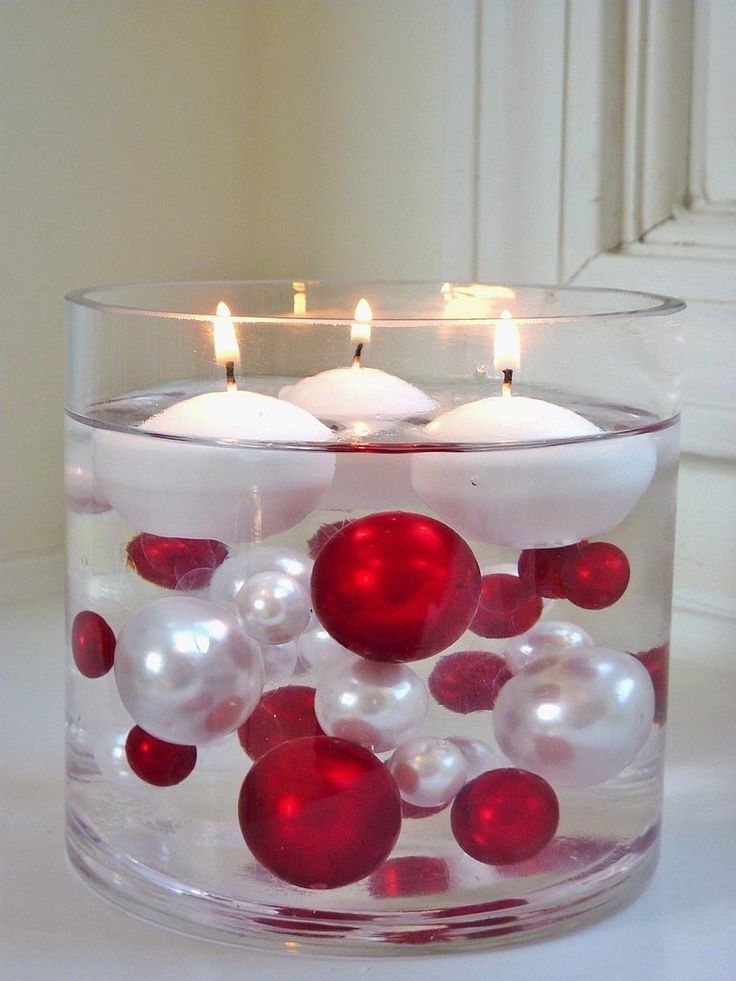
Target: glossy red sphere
[[504, 816], [157, 762], [596, 575], [93, 644], [468, 681], [395, 586], [507, 607], [320, 812], [412, 875], [656, 661], [540, 569], [282, 714], [175, 563]]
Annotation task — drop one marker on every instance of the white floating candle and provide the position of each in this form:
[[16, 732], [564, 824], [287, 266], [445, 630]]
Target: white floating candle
[[233, 494], [530, 497], [359, 394]]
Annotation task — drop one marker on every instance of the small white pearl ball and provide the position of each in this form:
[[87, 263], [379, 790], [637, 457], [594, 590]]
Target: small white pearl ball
[[185, 670], [577, 719], [545, 638], [479, 756], [375, 704], [236, 570], [319, 651], [428, 771], [273, 608], [279, 660]]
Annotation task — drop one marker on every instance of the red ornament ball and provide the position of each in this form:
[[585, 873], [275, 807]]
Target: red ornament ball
[[412, 875], [93, 644], [176, 563], [507, 607], [596, 575], [468, 681], [657, 661], [282, 714], [157, 762], [395, 586], [320, 812], [540, 569], [504, 816]]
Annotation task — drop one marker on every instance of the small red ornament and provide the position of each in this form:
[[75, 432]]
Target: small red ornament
[[413, 875], [507, 607], [657, 661], [323, 534], [175, 563], [282, 714], [320, 812], [93, 644], [596, 575], [395, 586], [540, 569], [157, 762], [468, 681], [505, 816]]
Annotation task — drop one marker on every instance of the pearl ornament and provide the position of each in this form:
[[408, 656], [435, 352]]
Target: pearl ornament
[[577, 719], [479, 756], [428, 771], [376, 704], [185, 670], [272, 608], [235, 571], [545, 638], [319, 651]]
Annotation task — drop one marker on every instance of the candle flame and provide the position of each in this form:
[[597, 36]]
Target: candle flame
[[360, 332], [506, 354], [226, 344]]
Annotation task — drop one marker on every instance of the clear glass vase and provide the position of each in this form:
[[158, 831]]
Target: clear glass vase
[[368, 607]]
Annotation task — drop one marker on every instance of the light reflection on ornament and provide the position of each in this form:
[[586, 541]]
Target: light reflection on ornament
[[428, 771], [235, 571], [545, 638], [272, 608]]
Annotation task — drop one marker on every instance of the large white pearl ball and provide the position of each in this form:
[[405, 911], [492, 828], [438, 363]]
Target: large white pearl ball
[[186, 671], [236, 570], [545, 637], [273, 608], [577, 719], [375, 704], [319, 651], [428, 771]]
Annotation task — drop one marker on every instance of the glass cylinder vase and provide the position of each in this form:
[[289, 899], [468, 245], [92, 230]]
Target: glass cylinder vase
[[368, 606]]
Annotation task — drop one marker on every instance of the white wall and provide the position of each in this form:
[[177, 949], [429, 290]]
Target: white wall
[[125, 138]]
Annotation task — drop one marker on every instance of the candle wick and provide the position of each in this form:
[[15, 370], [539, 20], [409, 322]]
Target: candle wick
[[230, 376], [508, 376], [356, 356]]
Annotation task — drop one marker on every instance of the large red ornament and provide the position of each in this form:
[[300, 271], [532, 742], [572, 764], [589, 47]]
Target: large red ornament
[[93, 644], [282, 714], [395, 586], [468, 681], [412, 875], [504, 816], [157, 762], [175, 563], [507, 607], [595, 576], [656, 661], [320, 812], [540, 569]]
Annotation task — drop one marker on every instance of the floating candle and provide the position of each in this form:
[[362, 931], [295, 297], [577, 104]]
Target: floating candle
[[530, 496]]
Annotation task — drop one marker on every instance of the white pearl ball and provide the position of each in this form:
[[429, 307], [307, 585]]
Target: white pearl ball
[[279, 660], [479, 756], [375, 704], [185, 670], [428, 771], [319, 651], [577, 719], [272, 608], [545, 638], [236, 570]]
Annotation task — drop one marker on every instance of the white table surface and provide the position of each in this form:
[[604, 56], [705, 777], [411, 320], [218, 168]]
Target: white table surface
[[53, 927]]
